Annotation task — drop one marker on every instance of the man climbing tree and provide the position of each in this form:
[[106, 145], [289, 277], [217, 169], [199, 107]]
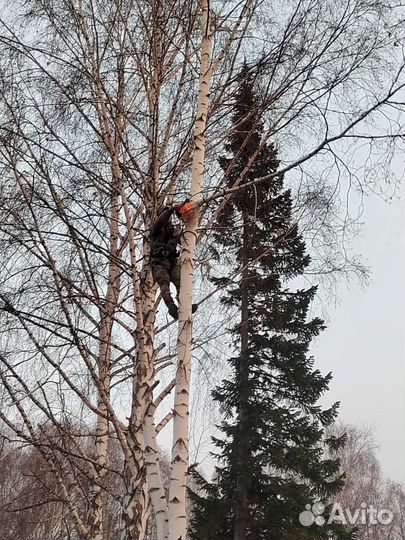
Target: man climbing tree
[[165, 238], [271, 453]]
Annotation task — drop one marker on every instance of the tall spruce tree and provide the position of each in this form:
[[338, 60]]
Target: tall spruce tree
[[272, 458]]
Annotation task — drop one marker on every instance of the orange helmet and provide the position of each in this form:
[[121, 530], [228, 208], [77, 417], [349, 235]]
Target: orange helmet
[[187, 211]]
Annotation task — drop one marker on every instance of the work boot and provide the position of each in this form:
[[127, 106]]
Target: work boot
[[173, 310]]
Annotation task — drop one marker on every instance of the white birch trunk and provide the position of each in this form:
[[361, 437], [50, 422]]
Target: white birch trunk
[[156, 491], [154, 482], [135, 500], [104, 375], [179, 463], [135, 504], [147, 511]]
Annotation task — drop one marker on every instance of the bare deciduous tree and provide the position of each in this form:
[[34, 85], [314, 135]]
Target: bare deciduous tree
[[366, 487], [106, 107]]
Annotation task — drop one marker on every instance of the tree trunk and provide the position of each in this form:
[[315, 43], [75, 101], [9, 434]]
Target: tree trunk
[[156, 491], [179, 462], [242, 475], [104, 367], [136, 501]]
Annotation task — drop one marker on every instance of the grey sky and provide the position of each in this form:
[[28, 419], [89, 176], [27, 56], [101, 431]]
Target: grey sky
[[364, 343]]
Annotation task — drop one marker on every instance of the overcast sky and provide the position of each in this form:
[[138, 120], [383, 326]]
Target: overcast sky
[[364, 343]]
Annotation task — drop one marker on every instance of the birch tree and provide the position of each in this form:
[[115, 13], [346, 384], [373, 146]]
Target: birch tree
[[108, 108], [178, 479]]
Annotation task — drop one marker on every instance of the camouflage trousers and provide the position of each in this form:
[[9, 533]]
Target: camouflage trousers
[[164, 271]]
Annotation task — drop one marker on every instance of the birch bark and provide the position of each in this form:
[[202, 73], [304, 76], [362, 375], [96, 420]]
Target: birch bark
[[179, 461], [156, 491], [136, 500], [104, 373], [151, 452]]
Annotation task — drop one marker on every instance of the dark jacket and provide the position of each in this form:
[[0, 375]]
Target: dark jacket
[[164, 236]]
